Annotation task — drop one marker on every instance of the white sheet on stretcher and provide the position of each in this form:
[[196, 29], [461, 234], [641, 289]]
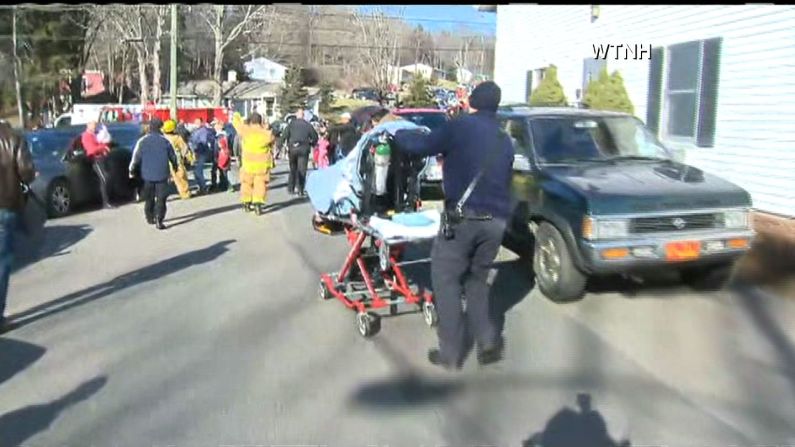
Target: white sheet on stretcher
[[390, 230]]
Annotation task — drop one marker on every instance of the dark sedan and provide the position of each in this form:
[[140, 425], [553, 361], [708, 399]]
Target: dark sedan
[[66, 179]]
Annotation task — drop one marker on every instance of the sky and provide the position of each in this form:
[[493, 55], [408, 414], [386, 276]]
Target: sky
[[445, 17]]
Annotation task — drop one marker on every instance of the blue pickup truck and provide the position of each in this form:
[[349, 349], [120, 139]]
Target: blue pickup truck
[[65, 179], [597, 193]]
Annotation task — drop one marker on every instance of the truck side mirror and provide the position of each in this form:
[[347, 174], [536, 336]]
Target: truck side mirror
[[521, 163]]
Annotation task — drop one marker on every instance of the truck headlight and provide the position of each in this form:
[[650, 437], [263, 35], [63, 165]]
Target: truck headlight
[[736, 219], [593, 229]]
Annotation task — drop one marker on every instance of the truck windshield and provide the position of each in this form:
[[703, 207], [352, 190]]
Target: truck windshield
[[571, 139]]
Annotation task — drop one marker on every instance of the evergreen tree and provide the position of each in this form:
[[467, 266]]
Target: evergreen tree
[[608, 93], [326, 97], [418, 96], [452, 74], [293, 94], [549, 92]]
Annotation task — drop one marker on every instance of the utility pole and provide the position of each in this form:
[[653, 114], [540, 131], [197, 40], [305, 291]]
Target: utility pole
[[20, 109], [173, 72]]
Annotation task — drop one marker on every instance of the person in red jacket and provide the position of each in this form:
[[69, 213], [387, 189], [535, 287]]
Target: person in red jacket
[[97, 153]]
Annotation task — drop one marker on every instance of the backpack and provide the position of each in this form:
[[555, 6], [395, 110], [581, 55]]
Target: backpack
[[224, 157]]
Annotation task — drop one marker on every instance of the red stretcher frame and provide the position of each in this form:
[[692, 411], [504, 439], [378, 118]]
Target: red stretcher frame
[[393, 277]]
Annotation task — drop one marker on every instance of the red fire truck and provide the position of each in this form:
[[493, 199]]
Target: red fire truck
[[123, 113]]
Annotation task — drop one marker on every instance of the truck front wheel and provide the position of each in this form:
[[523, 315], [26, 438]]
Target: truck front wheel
[[556, 274]]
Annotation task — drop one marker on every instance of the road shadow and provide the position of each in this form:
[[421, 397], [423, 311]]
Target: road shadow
[[570, 428], [275, 207], [20, 425], [54, 241], [660, 284], [147, 274], [16, 356], [177, 221], [409, 390], [513, 281], [279, 186], [754, 303]]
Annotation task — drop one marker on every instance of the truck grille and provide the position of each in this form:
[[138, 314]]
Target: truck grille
[[685, 222]]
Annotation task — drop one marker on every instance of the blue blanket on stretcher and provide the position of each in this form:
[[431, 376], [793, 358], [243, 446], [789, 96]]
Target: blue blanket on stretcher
[[334, 190]]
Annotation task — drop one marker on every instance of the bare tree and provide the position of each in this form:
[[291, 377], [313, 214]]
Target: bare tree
[[130, 24], [226, 31], [160, 13], [379, 50]]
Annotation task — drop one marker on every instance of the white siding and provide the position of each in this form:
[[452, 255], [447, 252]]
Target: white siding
[[755, 137]]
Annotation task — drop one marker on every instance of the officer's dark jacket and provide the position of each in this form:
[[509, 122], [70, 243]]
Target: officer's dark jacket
[[300, 135], [464, 142], [153, 153]]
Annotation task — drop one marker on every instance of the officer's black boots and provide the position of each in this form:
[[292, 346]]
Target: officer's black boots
[[492, 355], [435, 357]]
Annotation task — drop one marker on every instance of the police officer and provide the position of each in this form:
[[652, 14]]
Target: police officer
[[300, 137], [474, 147]]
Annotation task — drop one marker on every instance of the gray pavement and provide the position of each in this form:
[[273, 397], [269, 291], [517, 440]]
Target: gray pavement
[[211, 333]]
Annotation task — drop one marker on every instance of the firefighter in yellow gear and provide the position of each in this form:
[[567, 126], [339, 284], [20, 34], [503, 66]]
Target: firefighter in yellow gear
[[184, 158], [256, 163]]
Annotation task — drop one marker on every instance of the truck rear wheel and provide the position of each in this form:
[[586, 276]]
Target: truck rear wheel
[[556, 274]]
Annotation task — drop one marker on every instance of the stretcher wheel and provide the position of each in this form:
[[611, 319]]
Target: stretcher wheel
[[429, 314], [325, 293], [367, 324]]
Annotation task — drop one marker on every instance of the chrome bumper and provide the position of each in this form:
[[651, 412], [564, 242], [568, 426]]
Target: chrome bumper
[[595, 263]]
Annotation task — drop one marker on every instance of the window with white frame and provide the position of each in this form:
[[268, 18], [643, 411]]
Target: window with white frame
[[683, 89]]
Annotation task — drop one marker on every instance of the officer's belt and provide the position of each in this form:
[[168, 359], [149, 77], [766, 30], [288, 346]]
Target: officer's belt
[[470, 214]]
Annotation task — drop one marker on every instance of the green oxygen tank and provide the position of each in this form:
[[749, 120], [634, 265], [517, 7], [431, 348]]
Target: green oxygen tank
[[382, 156]]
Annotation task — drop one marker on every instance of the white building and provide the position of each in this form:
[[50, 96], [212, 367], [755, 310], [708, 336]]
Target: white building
[[716, 82], [424, 70], [262, 69]]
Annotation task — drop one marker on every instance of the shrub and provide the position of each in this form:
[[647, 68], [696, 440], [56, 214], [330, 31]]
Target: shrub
[[608, 93], [418, 95], [549, 92]]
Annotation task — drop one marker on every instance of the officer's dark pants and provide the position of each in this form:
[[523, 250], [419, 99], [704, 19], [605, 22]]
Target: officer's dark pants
[[299, 160], [100, 166], [460, 267], [156, 195]]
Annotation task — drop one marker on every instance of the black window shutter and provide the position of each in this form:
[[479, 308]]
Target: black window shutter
[[708, 98], [654, 98], [529, 85]]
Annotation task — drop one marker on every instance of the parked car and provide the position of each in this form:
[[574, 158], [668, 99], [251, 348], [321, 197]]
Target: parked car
[[430, 118], [65, 177], [599, 194], [367, 94]]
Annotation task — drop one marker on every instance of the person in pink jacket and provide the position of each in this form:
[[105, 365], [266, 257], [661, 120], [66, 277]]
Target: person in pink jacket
[[322, 151]]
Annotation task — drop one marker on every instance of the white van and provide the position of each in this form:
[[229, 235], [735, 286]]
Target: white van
[[81, 114]]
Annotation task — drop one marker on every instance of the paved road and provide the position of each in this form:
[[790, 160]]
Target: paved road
[[211, 333]]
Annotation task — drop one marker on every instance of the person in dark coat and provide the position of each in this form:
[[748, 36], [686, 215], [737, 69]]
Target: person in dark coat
[[343, 138], [153, 153], [460, 261], [300, 138], [16, 169]]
